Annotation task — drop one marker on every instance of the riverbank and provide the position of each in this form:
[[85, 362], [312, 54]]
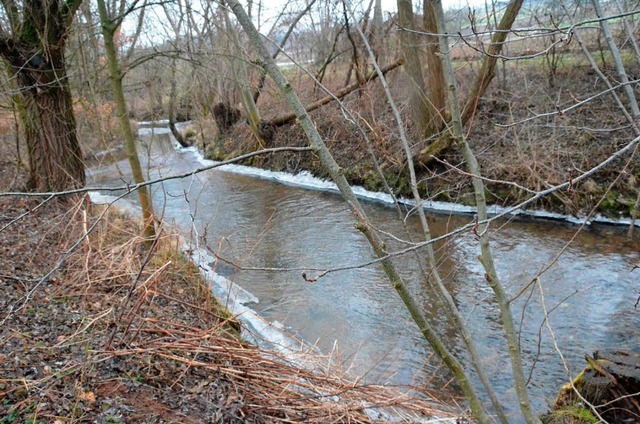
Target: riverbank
[[121, 333], [522, 148]]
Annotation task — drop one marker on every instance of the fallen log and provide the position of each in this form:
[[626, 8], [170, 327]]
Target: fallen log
[[290, 117]]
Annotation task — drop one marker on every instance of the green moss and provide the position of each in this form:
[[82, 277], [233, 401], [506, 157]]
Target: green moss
[[571, 415], [215, 152], [611, 205], [372, 181]]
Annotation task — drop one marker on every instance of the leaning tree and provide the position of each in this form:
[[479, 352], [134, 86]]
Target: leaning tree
[[33, 35]]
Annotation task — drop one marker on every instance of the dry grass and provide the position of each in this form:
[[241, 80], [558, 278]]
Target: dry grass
[[127, 334]]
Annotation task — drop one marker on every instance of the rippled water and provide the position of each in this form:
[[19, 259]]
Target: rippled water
[[589, 290]]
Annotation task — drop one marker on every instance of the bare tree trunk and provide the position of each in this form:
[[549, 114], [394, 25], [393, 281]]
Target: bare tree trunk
[[355, 62], [486, 257], [629, 29], [109, 29], [377, 31], [482, 81], [173, 96], [435, 76], [239, 66], [419, 104], [622, 74]]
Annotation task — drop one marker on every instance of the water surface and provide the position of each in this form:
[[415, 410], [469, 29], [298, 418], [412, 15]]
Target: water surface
[[588, 286]]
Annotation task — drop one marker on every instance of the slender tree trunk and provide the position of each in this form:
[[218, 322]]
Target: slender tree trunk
[[241, 80], [377, 31], [108, 32], [337, 175], [173, 96], [355, 62], [486, 257], [55, 158], [617, 59]]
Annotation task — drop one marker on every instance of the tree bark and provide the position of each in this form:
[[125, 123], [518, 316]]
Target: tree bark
[[55, 157], [420, 110], [33, 47], [480, 85], [435, 76]]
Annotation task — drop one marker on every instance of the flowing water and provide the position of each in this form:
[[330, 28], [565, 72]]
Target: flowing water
[[587, 286]]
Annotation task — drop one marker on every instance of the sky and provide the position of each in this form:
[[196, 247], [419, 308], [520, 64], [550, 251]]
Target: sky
[[390, 5], [273, 7]]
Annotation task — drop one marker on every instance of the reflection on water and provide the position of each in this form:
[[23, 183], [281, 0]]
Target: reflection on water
[[589, 290]]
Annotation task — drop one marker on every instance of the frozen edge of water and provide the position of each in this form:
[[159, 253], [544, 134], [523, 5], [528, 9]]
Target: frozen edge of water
[[230, 295], [306, 180], [256, 329]]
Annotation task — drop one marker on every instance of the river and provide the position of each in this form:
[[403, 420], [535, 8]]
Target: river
[[589, 290]]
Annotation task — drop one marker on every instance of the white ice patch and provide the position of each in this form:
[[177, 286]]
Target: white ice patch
[[122, 204], [256, 329], [148, 131], [160, 122], [306, 180]]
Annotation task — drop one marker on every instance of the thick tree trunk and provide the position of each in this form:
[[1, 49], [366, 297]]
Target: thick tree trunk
[[55, 158], [420, 110], [435, 75], [32, 44]]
